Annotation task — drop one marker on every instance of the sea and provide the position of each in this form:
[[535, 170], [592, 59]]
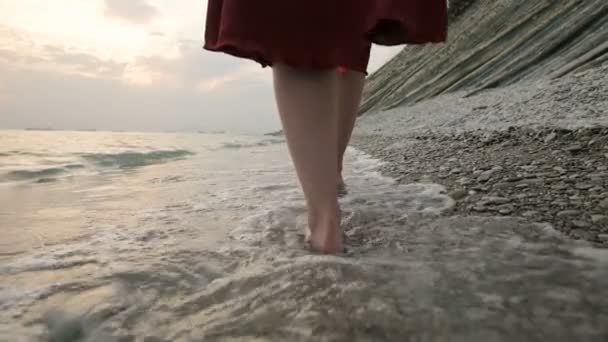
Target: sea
[[129, 236]]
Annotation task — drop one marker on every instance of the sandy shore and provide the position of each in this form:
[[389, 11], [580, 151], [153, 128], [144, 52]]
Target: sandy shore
[[537, 150]]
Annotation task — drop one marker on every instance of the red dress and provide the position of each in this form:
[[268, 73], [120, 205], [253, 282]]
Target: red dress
[[320, 33]]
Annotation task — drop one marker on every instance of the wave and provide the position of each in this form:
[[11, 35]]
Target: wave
[[17, 175], [257, 144], [23, 153], [123, 160], [135, 159]]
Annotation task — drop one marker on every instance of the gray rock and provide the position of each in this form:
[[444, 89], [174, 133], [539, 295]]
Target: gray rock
[[533, 181], [480, 208], [502, 185], [598, 176], [565, 213], [153, 339], [458, 194], [574, 148], [464, 181], [559, 169], [603, 237], [530, 213], [603, 204], [485, 176], [559, 186], [583, 186], [581, 224], [495, 200], [559, 203], [505, 211], [550, 137], [582, 234], [599, 219]]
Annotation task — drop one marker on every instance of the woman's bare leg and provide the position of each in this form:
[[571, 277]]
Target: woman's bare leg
[[350, 89], [307, 104]]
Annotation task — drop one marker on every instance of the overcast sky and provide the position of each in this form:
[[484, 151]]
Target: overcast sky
[[126, 64]]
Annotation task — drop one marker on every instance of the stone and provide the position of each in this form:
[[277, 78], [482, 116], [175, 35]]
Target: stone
[[581, 224], [530, 213], [598, 176], [565, 213], [559, 187], [505, 211], [458, 194], [153, 339], [485, 176], [495, 200], [581, 234], [603, 204], [533, 181], [599, 219], [559, 169], [480, 209], [550, 137], [464, 181], [603, 237], [502, 185], [559, 203], [574, 148], [583, 186], [480, 188]]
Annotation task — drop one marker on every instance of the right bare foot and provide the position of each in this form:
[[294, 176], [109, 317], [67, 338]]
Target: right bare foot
[[324, 235], [327, 241]]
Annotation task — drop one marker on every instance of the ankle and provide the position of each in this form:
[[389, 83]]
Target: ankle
[[327, 217]]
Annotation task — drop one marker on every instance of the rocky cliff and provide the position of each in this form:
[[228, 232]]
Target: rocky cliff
[[494, 43]]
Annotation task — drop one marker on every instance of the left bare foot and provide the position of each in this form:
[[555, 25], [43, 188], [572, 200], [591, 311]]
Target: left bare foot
[[341, 187]]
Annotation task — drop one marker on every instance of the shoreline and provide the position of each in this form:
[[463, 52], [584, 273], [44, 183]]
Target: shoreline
[[536, 150]]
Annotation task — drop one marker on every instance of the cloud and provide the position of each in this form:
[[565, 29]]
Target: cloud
[[193, 68], [18, 50], [137, 12], [189, 66], [83, 63], [42, 98], [4, 95]]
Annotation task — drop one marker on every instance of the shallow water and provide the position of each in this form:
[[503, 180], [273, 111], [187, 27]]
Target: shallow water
[[176, 237]]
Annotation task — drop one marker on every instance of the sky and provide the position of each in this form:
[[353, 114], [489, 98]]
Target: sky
[[127, 65]]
